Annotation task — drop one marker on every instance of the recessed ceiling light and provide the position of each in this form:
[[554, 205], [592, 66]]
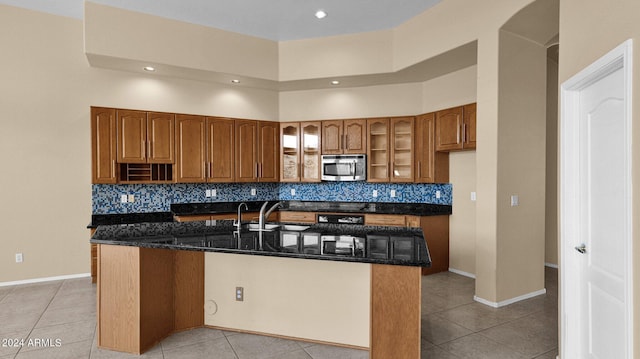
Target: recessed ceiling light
[[335, 82], [321, 14], [235, 81], [149, 68]]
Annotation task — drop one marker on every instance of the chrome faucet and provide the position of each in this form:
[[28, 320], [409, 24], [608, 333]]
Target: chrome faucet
[[238, 222], [264, 215]]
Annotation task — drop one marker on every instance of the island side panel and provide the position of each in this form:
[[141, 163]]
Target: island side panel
[[318, 300], [119, 298], [395, 312], [436, 234], [156, 296], [189, 290]]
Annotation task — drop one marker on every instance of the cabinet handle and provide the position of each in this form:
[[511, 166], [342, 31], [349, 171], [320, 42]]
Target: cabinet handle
[[149, 148], [343, 145], [113, 168], [464, 132]]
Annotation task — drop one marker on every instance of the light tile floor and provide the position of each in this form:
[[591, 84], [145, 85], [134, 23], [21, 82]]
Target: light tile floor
[[62, 316]]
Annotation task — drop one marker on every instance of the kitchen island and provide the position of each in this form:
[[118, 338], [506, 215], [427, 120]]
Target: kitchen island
[[356, 286]]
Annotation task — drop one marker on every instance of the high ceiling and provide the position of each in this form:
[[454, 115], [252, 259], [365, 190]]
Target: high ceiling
[[278, 20]]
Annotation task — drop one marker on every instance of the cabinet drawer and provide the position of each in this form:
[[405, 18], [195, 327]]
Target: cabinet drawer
[[384, 220], [304, 217]]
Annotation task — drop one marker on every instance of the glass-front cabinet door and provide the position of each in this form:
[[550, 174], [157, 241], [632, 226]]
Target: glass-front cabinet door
[[310, 145], [378, 151], [290, 152], [402, 149]]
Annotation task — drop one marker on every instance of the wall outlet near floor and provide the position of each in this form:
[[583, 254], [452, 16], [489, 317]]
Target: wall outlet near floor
[[438, 194], [253, 192], [239, 294], [123, 198], [132, 198], [515, 201], [393, 193], [19, 258]]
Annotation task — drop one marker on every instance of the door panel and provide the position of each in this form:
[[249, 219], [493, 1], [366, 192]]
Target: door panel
[[190, 144], [246, 151], [132, 136], [160, 134], [220, 156]]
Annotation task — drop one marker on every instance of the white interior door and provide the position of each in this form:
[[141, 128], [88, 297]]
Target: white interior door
[[596, 310]]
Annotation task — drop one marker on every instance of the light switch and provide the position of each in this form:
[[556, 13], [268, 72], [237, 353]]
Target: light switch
[[393, 193], [123, 198], [214, 192], [132, 198], [473, 196], [438, 194], [207, 193], [253, 191], [293, 191], [375, 193]]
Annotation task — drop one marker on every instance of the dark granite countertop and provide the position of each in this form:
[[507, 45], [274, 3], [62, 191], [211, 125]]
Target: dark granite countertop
[[129, 218], [417, 209], [350, 243]]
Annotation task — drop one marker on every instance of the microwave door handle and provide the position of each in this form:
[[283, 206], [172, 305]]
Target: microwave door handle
[[353, 169]]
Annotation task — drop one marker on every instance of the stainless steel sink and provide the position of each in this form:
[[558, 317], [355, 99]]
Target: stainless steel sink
[[293, 227]]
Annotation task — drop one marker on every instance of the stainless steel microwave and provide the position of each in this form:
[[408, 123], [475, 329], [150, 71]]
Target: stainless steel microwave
[[344, 167]]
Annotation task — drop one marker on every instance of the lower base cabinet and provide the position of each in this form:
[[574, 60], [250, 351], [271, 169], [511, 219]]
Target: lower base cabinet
[[145, 294]]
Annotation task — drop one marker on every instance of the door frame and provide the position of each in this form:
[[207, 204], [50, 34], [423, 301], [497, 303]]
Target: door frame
[[616, 59]]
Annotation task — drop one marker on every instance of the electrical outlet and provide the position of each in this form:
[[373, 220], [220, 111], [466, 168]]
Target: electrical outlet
[[207, 193], [393, 193], [19, 258], [214, 192], [438, 194], [293, 191], [375, 193], [123, 198], [473, 196], [132, 198], [515, 201], [239, 294], [253, 192]]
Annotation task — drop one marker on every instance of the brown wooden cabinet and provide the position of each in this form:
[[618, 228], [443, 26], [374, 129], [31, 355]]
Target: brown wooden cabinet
[[190, 148], [297, 217], [344, 136], [257, 151], [454, 130], [300, 152], [220, 150], [430, 166], [145, 137], [103, 145], [390, 154]]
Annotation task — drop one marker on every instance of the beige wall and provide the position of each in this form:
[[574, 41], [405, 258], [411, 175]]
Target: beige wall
[[297, 298], [551, 187], [588, 30], [462, 223], [46, 90]]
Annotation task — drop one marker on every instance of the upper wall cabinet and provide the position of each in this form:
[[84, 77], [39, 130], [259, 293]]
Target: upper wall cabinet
[[145, 137], [205, 149], [390, 155], [456, 128], [103, 145], [300, 152], [344, 136], [430, 166], [257, 151]]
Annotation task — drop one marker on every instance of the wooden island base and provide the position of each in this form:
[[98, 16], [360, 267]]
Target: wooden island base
[[145, 295]]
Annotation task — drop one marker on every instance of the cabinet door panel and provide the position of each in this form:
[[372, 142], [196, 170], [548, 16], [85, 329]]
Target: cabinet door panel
[[290, 152], [449, 129], [402, 149], [132, 136], [355, 133], [103, 145], [470, 126], [190, 148], [332, 137], [220, 156], [246, 154], [430, 166], [161, 137], [269, 151], [310, 147], [378, 150]]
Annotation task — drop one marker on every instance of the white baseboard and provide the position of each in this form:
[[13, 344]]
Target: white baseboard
[[46, 279], [509, 301], [456, 271], [551, 265]]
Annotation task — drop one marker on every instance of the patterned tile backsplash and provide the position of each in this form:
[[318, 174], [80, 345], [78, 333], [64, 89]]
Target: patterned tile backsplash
[[158, 197]]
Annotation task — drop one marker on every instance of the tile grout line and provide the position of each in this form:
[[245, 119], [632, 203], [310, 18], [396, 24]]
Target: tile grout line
[[40, 317], [230, 345]]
